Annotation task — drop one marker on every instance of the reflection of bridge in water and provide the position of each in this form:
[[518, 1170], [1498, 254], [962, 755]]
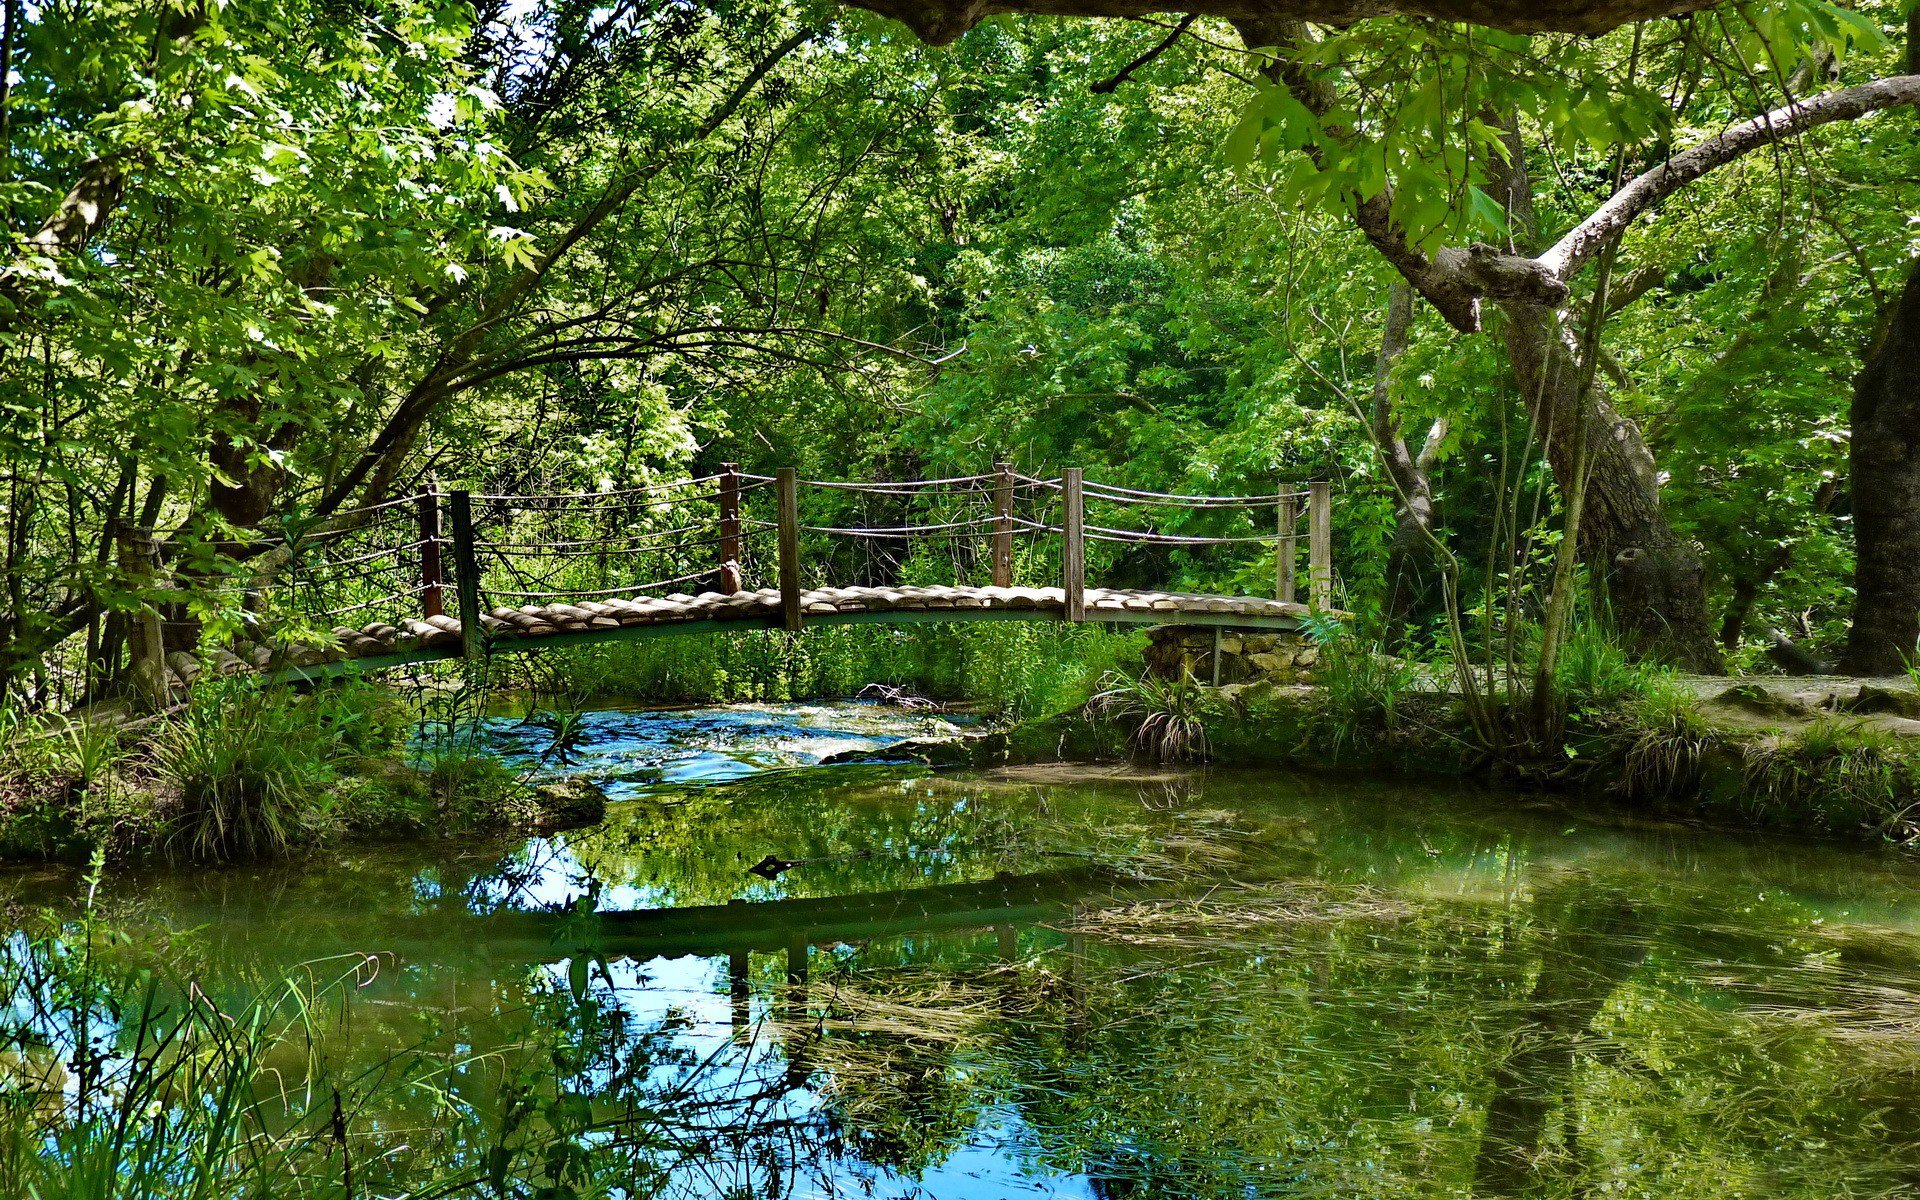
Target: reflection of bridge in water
[[742, 926], [465, 575], [794, 927]]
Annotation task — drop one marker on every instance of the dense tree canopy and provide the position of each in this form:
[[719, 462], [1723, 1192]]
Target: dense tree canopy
[[276, 260]]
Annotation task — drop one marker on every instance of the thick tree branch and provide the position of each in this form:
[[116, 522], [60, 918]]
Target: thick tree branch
[[1584, 241], [380, 462], [942, 21], [1112, 82]]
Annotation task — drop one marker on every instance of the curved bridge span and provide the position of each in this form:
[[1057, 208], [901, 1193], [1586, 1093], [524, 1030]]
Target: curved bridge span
[[465, 575]]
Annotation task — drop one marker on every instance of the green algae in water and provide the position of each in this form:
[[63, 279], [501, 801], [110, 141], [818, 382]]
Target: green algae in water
[[1078, 982]]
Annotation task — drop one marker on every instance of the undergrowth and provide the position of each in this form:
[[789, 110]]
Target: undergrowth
[[244, 770], [1022, 670]]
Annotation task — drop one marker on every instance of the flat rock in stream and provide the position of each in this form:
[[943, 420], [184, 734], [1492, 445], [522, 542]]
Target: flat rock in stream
[[1758, 700], [1873, 699], [950, 750], [568, 804]]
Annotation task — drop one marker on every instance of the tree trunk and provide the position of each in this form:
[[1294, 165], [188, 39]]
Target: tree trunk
[[1884, 461], [1654, 579], [1411, 474]]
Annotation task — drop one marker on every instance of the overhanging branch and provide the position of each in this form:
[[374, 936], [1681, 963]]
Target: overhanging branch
[[1574, 250], [942, 21]]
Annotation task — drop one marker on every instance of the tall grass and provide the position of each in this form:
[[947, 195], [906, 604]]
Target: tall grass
[[1167, 718], [253, 767], [1023, 670]]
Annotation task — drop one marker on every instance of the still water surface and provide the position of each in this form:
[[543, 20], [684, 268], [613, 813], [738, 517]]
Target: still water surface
[[1119, 982]]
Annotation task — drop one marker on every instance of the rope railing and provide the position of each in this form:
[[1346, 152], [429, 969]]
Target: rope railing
[[474, 556]]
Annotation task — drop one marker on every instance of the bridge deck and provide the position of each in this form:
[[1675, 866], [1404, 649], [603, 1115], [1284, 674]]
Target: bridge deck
[[380, 645]]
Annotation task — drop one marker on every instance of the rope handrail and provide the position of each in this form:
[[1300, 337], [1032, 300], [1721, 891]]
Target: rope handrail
[[1109, 533], [643, 490], [579, 543], [610, 591], [1100, 492], [333, 564], [898, 530], [913, 485]]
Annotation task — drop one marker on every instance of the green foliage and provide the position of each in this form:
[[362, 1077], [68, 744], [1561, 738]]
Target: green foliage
[[1361, 690], [1018, 669], [1836, 775], [1167, 718], [247, 764]]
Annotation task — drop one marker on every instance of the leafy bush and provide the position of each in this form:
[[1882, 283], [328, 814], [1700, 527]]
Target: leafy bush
[[1361, 689]]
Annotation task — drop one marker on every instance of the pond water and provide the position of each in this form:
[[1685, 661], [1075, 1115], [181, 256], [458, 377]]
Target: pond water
[[1099, 982]]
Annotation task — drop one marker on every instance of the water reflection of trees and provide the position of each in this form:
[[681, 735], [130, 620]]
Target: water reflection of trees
[[1391, 1004]]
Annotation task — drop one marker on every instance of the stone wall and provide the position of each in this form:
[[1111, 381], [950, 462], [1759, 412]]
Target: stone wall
[[1280, 657]]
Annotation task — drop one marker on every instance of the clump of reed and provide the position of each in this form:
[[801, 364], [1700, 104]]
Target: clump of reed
[[1836, 775], [1166, 718]]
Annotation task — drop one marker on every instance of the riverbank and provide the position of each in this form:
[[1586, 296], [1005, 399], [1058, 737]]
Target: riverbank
[[1824, 757], [248, 772]]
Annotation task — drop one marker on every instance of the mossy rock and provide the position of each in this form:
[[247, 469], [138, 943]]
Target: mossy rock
[[568, 804], [1872, 699], [954, 750], [1754, 699], [1069, 737]]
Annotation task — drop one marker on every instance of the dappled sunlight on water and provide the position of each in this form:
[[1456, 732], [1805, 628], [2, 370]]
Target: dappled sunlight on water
[[1106, 982]]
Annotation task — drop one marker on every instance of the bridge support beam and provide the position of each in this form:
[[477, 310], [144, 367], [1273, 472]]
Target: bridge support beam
[[787, 485], [466, 574], [1287, 545], [432, 574], [1320, 544], [728, 581], [1073, 553], [1003, 525]]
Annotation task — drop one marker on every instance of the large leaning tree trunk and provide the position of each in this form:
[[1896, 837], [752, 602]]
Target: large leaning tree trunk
[[1884, 460]]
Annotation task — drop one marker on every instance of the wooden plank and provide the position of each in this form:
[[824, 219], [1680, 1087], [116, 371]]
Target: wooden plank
[[729, 577], [1320, 544], [466, 574], [1073, 553], [1286, 549], [1003, 525], [787, 484]]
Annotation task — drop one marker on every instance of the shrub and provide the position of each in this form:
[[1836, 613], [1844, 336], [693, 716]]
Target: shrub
[[1361, 690]]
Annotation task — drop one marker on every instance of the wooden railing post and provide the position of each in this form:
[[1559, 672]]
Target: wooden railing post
[[466, 574], [729, 578], [1003, 525], [787, 484], [1320, 543], [1286, 549], [146, 649], [1073, 553], [432, 574]]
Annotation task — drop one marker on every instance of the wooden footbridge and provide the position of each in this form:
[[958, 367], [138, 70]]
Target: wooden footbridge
[[461, 574]]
